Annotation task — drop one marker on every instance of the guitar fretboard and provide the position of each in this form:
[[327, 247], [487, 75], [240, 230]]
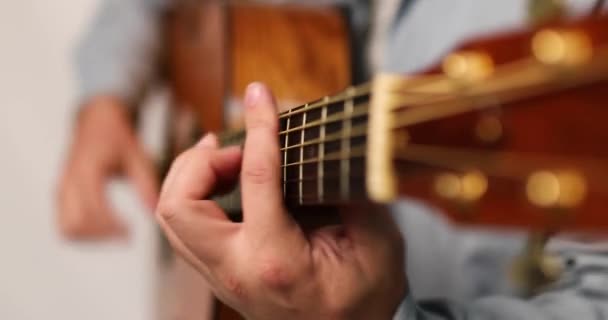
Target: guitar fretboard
[[322, 147]]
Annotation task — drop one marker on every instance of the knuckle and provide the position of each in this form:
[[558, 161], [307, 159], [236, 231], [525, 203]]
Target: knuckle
[[72, 227], [275, 274], [263, 124], [168, 210], [234, 286], [259, 174], [181, 158], [70, 230]]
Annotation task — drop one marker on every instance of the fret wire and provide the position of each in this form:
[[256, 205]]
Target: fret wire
[[359, 90], [355, 152], [357, 131], [285, 157], [326, 177], [345, 148], [361, 110], [320, 167], [310, 197], [302, 151]]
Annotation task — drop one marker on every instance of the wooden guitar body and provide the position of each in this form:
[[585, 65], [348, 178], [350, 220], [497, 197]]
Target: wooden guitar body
[[216, 49]]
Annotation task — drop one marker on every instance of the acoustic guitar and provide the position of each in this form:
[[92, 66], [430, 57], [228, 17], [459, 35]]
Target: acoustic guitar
[[506, 131]]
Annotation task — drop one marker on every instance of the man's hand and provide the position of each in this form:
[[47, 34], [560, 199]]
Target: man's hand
[[267, 267], [104, 146]]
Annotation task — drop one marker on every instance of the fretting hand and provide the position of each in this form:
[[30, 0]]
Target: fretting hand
[[267, 267]]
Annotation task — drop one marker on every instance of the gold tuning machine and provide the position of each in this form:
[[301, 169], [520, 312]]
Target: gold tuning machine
[[556, 189], [534, 268], [468, 66], [464, 188], [562, 47]]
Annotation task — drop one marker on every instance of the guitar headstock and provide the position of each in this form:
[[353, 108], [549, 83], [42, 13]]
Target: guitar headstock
[[509, 130]]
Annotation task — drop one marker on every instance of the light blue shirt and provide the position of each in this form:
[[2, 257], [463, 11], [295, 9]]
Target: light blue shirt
[[463, 273]]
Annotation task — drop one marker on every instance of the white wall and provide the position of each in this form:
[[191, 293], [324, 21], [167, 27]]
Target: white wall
[[41, 276]]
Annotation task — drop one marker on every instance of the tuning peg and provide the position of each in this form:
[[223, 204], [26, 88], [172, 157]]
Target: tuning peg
[[467, 187], [561, 47], [489, 129], [535, 268], [469, 66], [556, 189]]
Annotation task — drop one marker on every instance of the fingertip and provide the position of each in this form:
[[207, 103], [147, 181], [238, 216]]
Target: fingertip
[[210, 140], [231, 152], [258, 94], [253, 93]]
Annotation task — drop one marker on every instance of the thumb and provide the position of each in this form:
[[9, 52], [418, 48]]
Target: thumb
[[141, 173]]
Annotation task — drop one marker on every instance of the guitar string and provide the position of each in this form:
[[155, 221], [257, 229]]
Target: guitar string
[[490, 163], [408, 116], [407, 88], [358, 131], [413, 116], [364, 89], [348, 94], [504, 164], [434, 113], [356, 152], [314, 178], [360, 110], [494, 164]]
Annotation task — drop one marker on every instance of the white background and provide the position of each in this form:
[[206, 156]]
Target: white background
[[42, 276]]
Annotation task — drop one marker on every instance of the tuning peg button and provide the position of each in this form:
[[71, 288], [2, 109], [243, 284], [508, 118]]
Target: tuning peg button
[[467, 187], [561, 189], [562, 47], [468, 66]]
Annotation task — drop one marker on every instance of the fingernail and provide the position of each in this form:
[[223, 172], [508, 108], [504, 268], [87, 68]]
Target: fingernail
[[209, 141], [253, 93]]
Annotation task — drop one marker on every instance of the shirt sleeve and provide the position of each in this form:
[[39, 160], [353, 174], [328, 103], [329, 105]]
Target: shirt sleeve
[[562, 305], [118, 53]]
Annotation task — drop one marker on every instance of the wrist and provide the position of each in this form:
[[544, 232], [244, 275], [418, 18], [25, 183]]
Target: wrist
[[103, 107]]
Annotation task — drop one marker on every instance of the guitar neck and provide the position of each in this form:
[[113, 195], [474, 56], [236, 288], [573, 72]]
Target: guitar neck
[[323, 147]]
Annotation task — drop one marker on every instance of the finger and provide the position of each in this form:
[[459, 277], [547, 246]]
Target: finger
[[260, 178], [199, 226], [84, 214], [198, 230], [69, 208], [208, 140], [106, 221], [141, 173], [203, 171]]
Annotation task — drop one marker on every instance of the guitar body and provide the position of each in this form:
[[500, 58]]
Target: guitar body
[[216, 49]]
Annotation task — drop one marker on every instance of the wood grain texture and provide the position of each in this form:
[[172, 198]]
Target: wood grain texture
[[196, 41], [302, 53]]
